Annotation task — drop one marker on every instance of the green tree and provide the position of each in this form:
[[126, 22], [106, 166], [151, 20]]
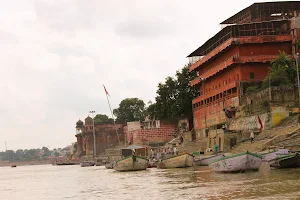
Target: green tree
[[10, 155], [130, 109], [31, 154], [2, 154], [174, 96], [20, 154], [102, 119], [282, 73], [46, 151], [56, 154]]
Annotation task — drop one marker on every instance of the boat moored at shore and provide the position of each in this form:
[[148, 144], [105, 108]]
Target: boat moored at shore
[[237, 163], [205, 160], [87, 164], [179, 161], [288, 161], [131, 163]]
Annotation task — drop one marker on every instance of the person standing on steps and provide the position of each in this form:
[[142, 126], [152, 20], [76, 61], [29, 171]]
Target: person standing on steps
[[252, 137], [216, 146]]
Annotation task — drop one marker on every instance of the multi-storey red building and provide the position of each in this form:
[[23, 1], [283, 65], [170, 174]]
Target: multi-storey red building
[[241, 53]]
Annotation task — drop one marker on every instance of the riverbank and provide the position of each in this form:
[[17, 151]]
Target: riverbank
[[22, 163]]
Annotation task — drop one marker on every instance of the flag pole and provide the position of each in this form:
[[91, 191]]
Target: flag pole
[[111, 114]]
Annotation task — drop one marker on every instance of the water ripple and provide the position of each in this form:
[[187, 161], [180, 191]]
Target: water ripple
[[73, 182]]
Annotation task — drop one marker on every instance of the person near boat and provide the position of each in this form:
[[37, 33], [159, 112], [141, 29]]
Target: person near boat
[[158, 155], [216, 146], [252, 137], [175, 151], [180, 140], [152, 154]]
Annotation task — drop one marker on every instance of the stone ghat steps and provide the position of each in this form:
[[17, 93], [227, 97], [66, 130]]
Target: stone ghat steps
[[270, 133], [256, 146], [191, 147], [265, 139]]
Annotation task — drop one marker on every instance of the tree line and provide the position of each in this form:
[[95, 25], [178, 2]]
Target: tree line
[[29, 154]]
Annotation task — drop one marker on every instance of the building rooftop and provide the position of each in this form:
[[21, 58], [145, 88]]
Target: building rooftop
[[265, 11], [275, 27]]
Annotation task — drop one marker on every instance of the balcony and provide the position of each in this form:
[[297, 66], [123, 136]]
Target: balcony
[[236, 59], [219, 90], [258, 32]]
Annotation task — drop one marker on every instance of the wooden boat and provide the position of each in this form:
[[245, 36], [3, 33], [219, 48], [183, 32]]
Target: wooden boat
[[68, 163], [86, 164], [237, 163], [288, 161], [267, 156], [204, 161], [109, 165], [131, 163], [180, 161], [98, 163], [152, 164]]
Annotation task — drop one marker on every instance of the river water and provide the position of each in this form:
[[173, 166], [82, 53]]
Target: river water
[[47, 182]]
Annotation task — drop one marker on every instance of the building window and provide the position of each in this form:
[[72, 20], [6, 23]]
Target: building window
[[251, 75]]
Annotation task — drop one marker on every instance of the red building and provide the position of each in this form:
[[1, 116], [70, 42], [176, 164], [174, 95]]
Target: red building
[[241, 53], [106, 136]]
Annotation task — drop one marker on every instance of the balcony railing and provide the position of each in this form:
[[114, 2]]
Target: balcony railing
[[235, 59], [214, 92]]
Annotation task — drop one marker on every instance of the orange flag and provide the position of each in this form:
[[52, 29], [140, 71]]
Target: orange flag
[[260, 123], [106, 91]]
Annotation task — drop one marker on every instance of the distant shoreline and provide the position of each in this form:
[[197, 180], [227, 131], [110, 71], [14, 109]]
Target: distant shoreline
[[22, 163]]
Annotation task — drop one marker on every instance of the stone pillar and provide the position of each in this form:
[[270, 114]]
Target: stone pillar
[[79, 144], [89, 145], [100, 148]]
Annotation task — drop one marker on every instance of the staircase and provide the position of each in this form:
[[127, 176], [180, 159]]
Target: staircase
[[194, 146], [266, 139]]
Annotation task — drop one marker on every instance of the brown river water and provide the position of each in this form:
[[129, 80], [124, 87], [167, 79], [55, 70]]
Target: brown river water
[[47, 182]]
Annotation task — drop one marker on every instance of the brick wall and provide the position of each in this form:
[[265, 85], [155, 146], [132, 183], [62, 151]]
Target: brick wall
[[165, 133]]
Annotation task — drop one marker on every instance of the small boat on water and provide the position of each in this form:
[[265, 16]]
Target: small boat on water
[[179, 161], [152, 164], [109, 165], [267, 156], [98, 163], [131, 163], [237, 163], [87, 164], [67, 163], [288, 161], [14, 166], [205, 160]]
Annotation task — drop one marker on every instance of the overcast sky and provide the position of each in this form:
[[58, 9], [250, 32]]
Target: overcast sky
[[56, 55]]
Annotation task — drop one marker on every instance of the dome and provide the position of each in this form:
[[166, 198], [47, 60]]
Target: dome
[[88, 121], [79, 124]]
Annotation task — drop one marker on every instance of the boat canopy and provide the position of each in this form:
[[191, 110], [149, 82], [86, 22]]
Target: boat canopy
[[134, 147]]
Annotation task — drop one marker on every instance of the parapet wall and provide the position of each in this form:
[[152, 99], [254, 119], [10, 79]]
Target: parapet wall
[[165, 133]]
